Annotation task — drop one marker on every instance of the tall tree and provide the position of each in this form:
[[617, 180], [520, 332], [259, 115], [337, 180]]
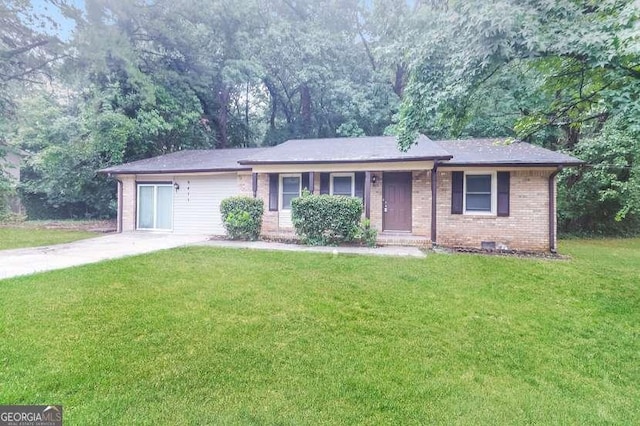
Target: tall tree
[[554, 72]]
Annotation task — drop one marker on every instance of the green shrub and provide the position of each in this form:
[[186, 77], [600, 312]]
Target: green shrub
[[326, 219], [242, 217], [7, 193], [366, 234]]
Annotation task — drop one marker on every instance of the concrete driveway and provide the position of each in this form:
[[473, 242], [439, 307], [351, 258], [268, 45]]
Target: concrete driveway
[[25, 261]]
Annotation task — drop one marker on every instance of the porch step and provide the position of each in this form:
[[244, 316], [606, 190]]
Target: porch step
[[402, 239], [281, 237]]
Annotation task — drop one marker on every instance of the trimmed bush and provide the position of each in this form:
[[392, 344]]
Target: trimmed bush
[[242, 217], [366, 234], [326, 219]]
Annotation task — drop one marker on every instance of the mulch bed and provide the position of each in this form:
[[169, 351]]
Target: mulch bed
[[506, 253]]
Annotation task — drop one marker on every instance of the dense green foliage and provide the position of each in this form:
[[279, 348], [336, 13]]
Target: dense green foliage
[[242, 217], [366, 234], [136, 79], [263, 337], [563, 74], [326, 219], [6, 192], [603, 199]]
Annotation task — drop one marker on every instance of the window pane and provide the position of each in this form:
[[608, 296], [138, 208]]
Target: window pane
[[291, 185], [163, 206], [479, 202], [478, 183], [342, 185], [286, 200], [290, 190], [145, 207]]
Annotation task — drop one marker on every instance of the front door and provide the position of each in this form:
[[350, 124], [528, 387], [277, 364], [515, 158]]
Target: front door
[[396, 202]]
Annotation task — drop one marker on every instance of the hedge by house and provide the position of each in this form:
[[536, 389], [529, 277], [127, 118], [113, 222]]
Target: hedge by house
[[326, 219], [242, 217]]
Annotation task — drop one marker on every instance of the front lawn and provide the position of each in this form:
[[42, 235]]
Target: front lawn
[[201, 335], [19, 237]]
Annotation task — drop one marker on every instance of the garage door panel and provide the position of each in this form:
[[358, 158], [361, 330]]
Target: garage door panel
[[197, 203]]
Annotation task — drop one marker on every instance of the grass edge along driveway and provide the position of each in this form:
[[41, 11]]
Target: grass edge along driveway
[[202, 335], [23, 237]]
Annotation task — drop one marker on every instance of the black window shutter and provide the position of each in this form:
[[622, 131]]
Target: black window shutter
[[305, 182], [503, 193], [359, 185], [273, 191], [324, 183], [457, 185]]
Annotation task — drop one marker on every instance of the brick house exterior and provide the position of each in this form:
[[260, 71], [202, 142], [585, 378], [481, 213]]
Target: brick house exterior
[[477, 193]]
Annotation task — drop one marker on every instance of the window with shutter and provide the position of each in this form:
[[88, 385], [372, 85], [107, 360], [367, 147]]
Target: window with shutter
[[479, 193]]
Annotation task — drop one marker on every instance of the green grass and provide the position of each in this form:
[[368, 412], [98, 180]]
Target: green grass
[[200, 335], [11, 238]]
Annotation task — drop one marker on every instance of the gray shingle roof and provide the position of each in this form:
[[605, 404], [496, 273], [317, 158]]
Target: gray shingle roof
[[204, 160], [347, 150], [498, 151], [480, 152]]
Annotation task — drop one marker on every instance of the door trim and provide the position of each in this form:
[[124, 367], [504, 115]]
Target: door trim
[[409, 175], [155, 186]]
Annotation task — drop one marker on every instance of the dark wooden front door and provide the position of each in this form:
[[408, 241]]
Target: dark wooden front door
[[396, 201]]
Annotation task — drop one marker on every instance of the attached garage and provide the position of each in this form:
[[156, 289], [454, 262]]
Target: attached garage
[[179, 192], [196, 203]]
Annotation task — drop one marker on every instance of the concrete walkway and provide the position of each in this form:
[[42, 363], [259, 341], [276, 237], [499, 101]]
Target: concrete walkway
[[264, 245], [26, 261]]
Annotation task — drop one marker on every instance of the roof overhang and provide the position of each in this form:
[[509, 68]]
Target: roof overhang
[[171, 171], [334, 166], [354, 161], [511, 165]]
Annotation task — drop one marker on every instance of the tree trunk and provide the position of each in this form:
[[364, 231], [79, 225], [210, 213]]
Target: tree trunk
[[274, 103], [399, 83], [246, 116], [305, 109], [223, 117], [573, 136]]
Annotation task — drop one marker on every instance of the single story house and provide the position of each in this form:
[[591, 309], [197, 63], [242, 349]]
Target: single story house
[[479, 193]]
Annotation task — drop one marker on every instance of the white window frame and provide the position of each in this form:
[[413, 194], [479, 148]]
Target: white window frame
[[353, 182], [155, 206], [494, 193], [281, 188]]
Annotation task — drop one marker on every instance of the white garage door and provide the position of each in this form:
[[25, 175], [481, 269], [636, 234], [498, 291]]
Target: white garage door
[[196, 205]]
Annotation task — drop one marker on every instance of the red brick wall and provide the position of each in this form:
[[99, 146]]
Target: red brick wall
[[526, 227], [421, 203], [128, 203]]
